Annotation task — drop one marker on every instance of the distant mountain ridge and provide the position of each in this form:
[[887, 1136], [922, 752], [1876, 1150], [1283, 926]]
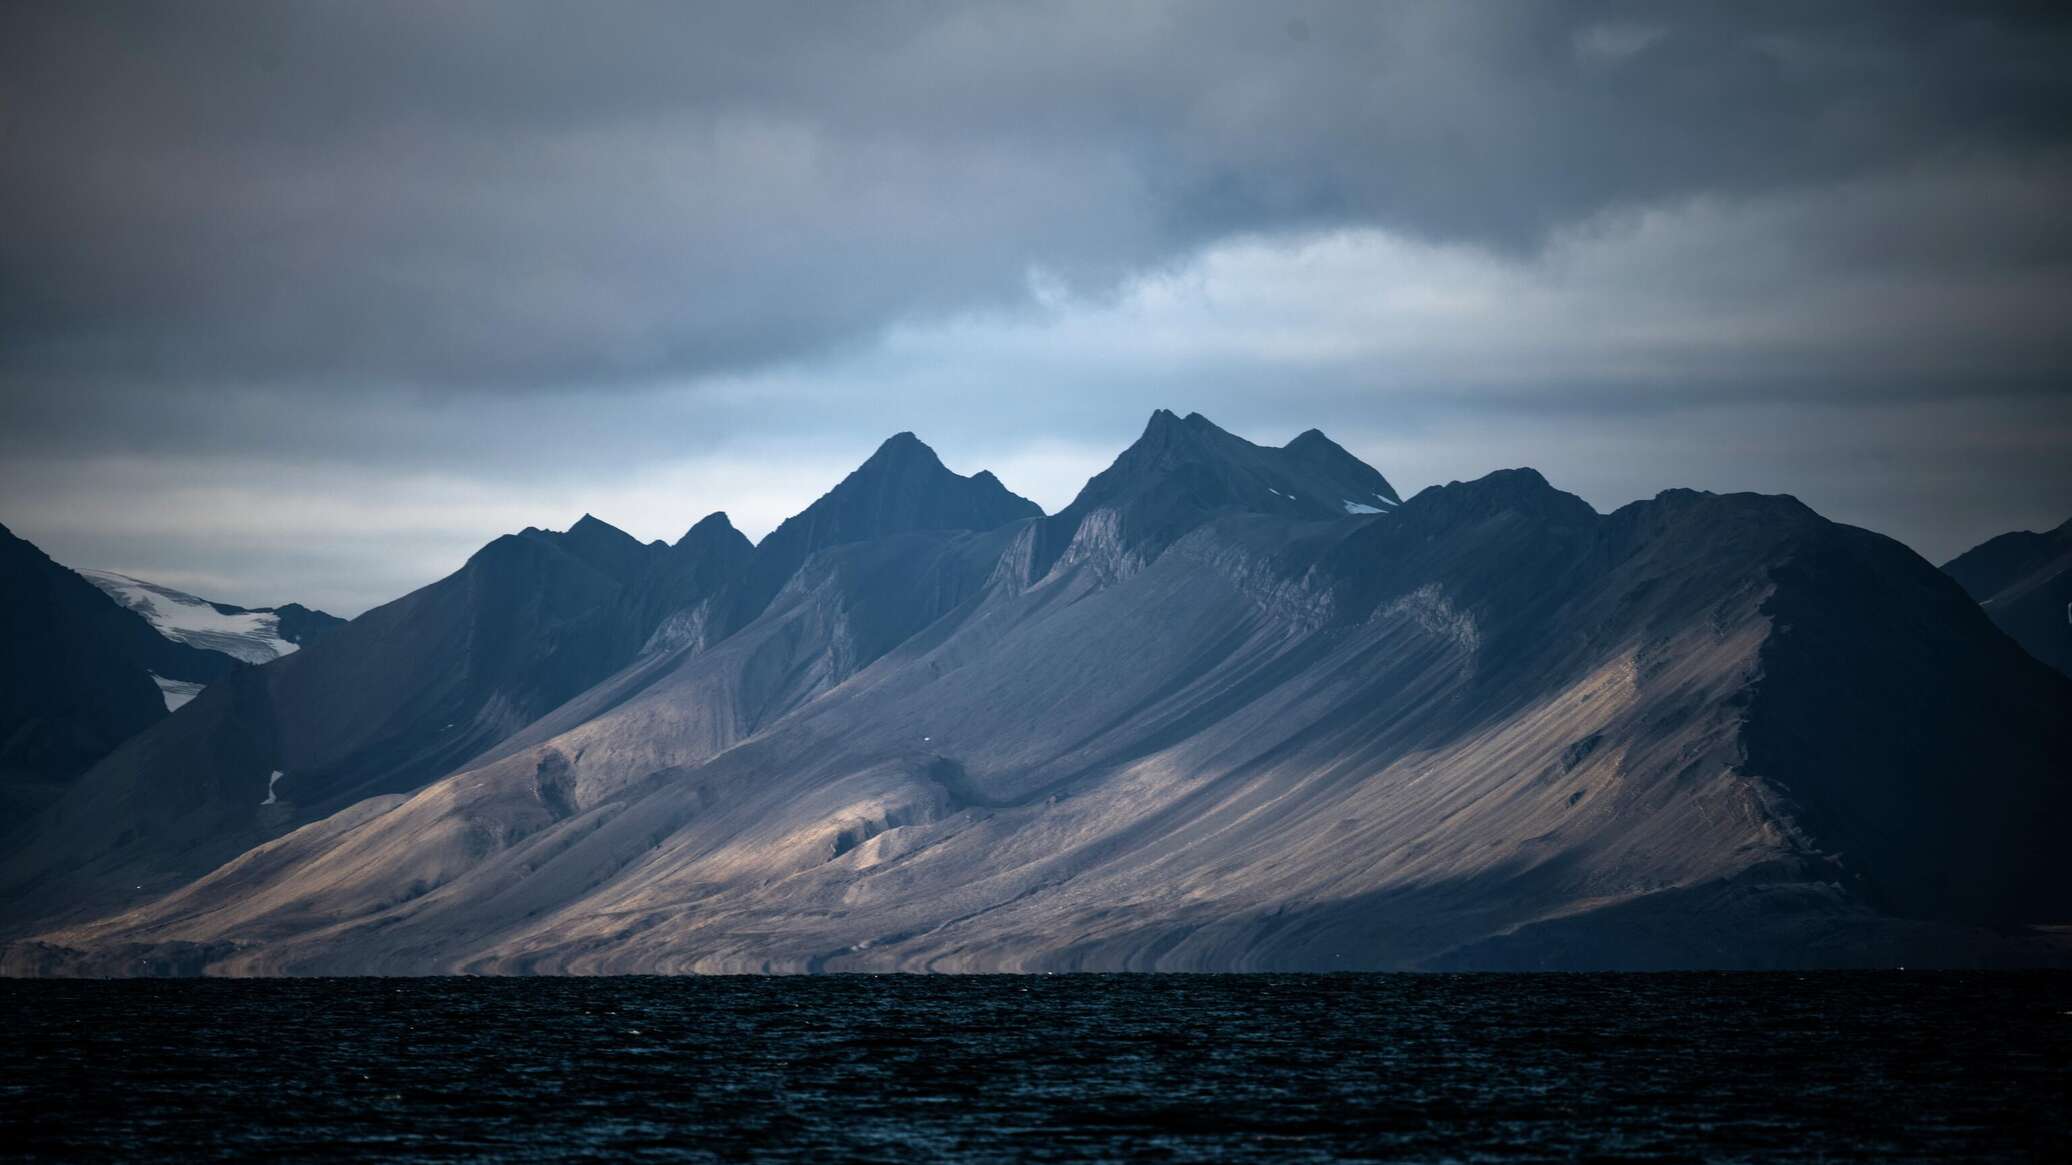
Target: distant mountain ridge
[[2024, 582], [1209, 716]]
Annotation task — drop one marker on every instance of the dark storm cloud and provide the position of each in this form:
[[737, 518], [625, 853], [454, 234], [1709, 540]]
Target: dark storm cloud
[[524, 195]]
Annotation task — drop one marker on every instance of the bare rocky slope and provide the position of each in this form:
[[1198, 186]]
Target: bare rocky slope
[[1209, 716]]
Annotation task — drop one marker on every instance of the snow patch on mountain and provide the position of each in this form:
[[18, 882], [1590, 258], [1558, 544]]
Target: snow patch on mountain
[[176, 692], [252, 636]]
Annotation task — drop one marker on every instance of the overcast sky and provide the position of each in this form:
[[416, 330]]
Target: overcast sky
[[307, 301]]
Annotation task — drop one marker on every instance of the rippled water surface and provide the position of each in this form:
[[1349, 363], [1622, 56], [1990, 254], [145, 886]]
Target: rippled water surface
[[1176, 1068]]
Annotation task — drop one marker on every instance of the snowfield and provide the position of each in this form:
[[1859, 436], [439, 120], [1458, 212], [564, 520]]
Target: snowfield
[[176, 692], [252, 636]]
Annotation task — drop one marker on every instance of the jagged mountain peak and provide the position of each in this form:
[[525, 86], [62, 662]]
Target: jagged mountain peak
[[915, 466], [1778, 507], [1315, 442], [902, 486], [1166, 425], [593, 529], [1524, 479], [601, 545], [1522, 491], [900, 449], [1193, 436], [715, 526], [1183, 470], [1169, 439], [1329, 458]]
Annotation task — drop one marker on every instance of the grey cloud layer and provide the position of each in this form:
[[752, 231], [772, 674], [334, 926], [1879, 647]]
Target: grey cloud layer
[[290, 288], [510, 194]]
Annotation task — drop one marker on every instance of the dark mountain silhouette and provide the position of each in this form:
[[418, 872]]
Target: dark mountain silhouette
[[1181, 470], [300, 625], [1207, 717], [400, 695], [2024, 581], [78, 676], [902, 487]]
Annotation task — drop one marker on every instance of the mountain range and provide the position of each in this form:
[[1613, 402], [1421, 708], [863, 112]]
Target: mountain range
[[1235, 707]]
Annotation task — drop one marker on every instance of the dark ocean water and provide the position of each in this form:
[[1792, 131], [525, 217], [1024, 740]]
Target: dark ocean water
[[1160, 1068]]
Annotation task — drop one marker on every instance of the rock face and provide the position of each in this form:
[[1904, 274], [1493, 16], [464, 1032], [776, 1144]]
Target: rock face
[[81, 675], [1207, 717], [2024, 581]]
